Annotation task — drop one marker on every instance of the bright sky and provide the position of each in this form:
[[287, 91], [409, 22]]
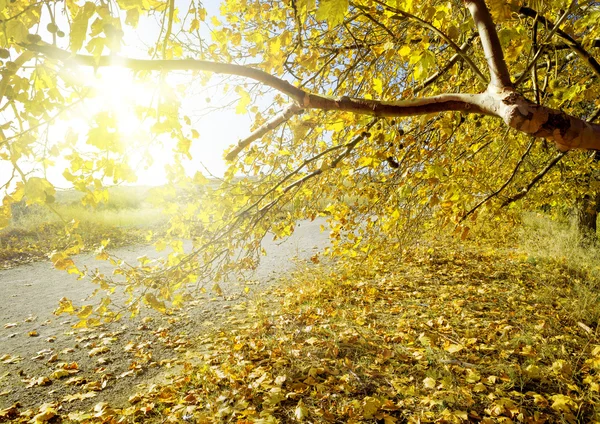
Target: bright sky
[[119, 92]]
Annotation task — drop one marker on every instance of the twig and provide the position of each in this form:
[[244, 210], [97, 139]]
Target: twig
[[464, 48], [285, 115], [506, 183], [523, 192]]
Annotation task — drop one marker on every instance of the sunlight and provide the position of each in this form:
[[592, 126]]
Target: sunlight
[[117, 91]]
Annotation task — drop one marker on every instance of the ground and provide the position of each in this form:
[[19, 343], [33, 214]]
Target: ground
[[42, 359], [446, 331]]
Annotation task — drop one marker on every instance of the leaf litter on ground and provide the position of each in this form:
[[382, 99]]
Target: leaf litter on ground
[[447, 335]]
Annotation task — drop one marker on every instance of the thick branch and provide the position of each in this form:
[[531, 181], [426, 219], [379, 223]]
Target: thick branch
[[169, 65], [568, 132], [441, 103], [500, 77], [277, 120]]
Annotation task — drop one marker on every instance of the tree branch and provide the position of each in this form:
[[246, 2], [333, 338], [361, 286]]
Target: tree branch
[[568, 132], [349, 147], [464, 48], [506, 183], [570, 41], [447, 39], [442, 103], [523, 192], [539, 52], [500, 77], [273, 123]]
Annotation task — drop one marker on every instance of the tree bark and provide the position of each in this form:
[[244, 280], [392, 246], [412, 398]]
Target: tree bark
[[587, 216]]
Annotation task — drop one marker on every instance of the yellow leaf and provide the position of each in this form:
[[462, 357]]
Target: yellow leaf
[[378, 86], [332, 11], [370, 407], [404, 51], [64, 306], [154, 303], [301, 412], [479, 387], [46, 415], [473, 376], [453, 348], [429, 383], [85, 311], [39, 190], [243, 102], [97, 351], [217, 290], [80, 25], [563, 403]]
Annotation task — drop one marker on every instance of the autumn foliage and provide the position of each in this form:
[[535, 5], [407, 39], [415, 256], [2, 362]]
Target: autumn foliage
[[393, 120]]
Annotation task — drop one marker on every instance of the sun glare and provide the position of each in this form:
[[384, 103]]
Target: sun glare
[[116, 92], [121, 95]]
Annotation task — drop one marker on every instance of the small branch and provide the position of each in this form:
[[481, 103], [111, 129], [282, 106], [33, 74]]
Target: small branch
[[570, 41], [534, 74], [464, 48], [169, 28], [268, 126], [506, 183], [491, 43], [523, 192], [349, 147], [442, 35], [547, 38]]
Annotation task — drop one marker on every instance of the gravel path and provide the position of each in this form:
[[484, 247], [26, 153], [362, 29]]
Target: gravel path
[[110, 360]]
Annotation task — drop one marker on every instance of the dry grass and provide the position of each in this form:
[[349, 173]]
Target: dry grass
[[35, 231], [559, 245]]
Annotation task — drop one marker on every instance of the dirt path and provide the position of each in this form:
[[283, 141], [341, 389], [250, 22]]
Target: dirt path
[[42, 359]]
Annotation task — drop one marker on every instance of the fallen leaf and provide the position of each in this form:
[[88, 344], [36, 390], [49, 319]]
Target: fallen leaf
[[301, 412], [98, 351], [429, 383], [453, 348]]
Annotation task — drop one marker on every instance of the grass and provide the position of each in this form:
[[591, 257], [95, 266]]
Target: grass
[[36, 231], [560, 246]]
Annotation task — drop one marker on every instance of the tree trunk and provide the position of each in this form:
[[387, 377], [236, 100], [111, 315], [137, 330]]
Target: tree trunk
[[587, 216]]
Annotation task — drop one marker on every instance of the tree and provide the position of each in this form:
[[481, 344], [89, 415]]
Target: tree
[[380, 114]]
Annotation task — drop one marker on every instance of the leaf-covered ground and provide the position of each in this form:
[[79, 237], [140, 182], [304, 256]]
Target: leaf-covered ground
[[445, 335]]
